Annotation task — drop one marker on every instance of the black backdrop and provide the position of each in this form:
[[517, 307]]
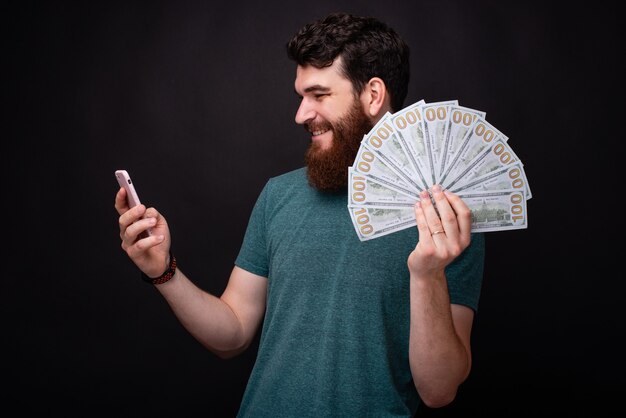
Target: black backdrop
[[196, 100]]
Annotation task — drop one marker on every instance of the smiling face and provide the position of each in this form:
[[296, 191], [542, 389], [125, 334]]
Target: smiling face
[[326, 96], [333, 114]]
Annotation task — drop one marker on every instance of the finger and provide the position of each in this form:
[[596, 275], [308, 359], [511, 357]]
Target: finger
[[121, 205], [148, 242], [136, 229], [447, 215], [463, 214], [152, 212], [422, 224], [129, 217], [432, 218]]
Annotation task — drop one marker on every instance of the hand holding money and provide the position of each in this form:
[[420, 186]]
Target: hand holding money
[[444, 226], [437, 144]]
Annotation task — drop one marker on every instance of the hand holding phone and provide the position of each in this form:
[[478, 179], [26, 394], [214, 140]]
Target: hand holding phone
[[124, 180]]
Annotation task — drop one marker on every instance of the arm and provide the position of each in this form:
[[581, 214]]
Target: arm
[[439, 343], [224, 325]]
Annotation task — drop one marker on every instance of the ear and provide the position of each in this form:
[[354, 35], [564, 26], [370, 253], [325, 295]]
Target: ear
[[375, 99]]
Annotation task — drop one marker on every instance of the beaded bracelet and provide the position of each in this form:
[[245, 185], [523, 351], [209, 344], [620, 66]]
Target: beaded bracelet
[[167, 274]]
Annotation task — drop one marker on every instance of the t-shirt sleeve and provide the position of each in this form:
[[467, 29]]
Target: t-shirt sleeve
[[253, 252], [465, 273]]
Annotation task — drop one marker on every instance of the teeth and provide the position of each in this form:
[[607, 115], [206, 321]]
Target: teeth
[[318, 132]]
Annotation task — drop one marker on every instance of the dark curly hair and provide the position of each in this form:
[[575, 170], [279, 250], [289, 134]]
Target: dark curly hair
[[368, 47]]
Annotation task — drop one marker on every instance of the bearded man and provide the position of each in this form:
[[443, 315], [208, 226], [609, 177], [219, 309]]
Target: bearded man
[[349, 328]]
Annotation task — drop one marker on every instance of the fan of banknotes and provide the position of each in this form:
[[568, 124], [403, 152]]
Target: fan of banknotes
[[435, 143]]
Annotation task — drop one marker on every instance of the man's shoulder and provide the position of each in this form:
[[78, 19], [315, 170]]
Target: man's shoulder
[[289, 188], [296, 175], [290, 179]]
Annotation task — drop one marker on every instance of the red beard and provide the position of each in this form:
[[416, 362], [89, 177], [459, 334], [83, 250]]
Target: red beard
[[327, 170]]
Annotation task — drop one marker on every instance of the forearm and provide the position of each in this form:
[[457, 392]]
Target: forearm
[[439, 359], [206, 317]]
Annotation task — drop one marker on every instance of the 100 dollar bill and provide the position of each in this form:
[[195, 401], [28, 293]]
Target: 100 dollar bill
[[497, 211], [461, 119], [434, 119], [370, 223], [383, 141], [508, 177], [366, 191], [408, 126], [367, 163], [490, 210], [493, 158]]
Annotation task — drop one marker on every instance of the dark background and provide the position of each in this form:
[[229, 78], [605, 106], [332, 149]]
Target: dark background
[[196, 101]]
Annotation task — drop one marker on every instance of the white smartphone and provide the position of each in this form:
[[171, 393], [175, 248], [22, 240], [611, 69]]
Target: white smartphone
[[124, 180]]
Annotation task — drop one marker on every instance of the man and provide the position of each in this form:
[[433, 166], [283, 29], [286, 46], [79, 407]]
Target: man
[[348, 329]]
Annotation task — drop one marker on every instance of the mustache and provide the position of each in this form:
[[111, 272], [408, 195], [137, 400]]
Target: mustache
[[317, 126]]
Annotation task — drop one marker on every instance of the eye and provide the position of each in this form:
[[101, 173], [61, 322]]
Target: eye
[[320, 96]]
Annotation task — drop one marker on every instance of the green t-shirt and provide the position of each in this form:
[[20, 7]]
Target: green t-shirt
[[335, 336]]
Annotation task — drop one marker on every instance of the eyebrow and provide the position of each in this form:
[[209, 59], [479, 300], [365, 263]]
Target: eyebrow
[[315, 88]]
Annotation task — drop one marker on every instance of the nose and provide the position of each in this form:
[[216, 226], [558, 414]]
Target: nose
[[305, 112]]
